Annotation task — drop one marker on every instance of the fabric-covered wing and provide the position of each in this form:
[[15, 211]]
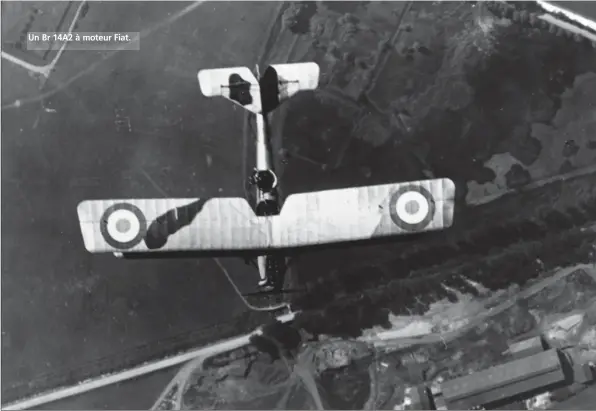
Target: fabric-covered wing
[[362, 213], [230, 224], [145, 225], [237, 84]]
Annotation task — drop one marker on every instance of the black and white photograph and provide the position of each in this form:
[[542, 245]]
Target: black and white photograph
[[311, 205]]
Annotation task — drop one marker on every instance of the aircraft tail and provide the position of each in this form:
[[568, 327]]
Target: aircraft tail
[[278, 83]]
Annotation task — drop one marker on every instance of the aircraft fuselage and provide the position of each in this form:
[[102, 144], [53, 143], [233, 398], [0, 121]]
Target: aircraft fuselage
[[267, 199]]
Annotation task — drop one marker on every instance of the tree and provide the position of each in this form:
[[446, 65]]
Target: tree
[[290, 15], [349, 25], [348, 18], [318, 25]]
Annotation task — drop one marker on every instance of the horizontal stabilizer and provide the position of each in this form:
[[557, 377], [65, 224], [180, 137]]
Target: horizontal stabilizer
[[237, 84], [230, 224], [282, 81]]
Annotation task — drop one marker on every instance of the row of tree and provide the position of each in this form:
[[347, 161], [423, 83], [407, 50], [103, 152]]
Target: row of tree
[[347, 318], [538, 247], [476, 243]]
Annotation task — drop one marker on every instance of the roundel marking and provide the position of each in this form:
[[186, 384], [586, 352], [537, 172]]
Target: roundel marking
[[412, 208], [123, 226]]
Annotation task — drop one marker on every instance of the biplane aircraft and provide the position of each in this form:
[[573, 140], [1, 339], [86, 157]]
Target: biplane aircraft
[[266, 230]]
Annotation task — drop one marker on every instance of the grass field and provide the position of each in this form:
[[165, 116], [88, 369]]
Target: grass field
[[116, 125]]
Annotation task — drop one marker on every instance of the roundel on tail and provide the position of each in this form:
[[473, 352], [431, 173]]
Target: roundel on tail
[[412, 207], [123, 225]]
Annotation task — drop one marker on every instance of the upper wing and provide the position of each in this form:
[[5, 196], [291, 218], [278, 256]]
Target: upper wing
[[237, 84], [144, 225], [362, 213], [228, 224]]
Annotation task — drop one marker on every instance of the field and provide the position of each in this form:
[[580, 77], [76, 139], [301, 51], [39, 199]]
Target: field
[[115, 125]]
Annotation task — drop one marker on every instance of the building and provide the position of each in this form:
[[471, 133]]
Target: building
[[528, 347], [583, 374], [536, 369], [420, 398], [507, 382]]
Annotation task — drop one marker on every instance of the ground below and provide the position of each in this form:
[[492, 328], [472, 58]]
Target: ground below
[[453, 338], [414, 90], [422, 90], [411, 91], [114, 125]]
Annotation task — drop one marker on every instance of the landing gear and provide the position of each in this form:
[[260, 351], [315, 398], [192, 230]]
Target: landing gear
[[270, 291], [272, 270], [275, 270], [266, 284], [275, 290]]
